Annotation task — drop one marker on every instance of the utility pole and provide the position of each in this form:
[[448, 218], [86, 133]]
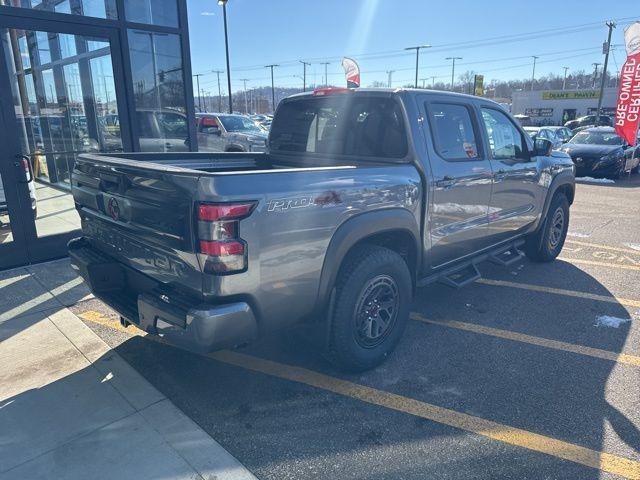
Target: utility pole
[[433, 82], [273, 90], [533, 73], [246, 104], [218, 72], [198, 75], [389, 75], [424, 80], [453, 68], [304, 75], [326, 80], [595, 74], [417, 49], [564, 80], [607, 47]]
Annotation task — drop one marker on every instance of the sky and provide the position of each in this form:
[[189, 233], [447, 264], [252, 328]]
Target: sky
[[494, 37]]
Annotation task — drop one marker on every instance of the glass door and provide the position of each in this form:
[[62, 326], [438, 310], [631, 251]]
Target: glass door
[[60, 98]]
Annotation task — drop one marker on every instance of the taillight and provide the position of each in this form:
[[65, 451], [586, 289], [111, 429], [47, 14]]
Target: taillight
[[219, 236]]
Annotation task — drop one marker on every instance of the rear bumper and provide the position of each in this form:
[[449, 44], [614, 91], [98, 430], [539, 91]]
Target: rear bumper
[[179, 320]]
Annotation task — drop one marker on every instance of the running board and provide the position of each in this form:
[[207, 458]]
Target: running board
[[462, 277], [506, 257]]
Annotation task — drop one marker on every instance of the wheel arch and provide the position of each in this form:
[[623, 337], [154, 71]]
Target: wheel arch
[[394, 228]]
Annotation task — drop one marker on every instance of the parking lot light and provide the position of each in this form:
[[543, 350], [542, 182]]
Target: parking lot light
[[223, 4]]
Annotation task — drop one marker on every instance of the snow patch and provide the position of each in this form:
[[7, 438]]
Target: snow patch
[[595, 180], [634, 246], [579, 235], [609, 321]]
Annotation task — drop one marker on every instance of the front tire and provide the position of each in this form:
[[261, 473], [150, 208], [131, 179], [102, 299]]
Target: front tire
[[546, 244], [371, 309]]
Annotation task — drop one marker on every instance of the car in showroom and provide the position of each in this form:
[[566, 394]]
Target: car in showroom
[[219, 132], [601, 152]]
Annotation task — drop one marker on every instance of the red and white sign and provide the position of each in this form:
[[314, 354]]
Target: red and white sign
[[352, 72], [628, 108]]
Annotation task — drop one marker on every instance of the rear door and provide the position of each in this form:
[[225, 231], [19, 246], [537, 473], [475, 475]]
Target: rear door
[[461, 179], [141, 214], [516, 192]]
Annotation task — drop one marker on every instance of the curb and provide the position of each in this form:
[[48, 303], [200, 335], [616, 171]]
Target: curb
[[206, 456]]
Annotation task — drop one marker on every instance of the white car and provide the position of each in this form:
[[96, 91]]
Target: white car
[[547, 133]]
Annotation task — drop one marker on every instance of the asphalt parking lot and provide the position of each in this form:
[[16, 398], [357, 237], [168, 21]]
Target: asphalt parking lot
[[531, 373]]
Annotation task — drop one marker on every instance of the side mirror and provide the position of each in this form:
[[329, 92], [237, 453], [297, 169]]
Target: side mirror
[[213, 130], [542, 147]]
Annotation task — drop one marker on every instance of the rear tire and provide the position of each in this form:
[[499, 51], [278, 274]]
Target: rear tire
[[371, 309], [546, 244]]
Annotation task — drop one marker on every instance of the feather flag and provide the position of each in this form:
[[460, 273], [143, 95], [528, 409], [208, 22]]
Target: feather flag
[[352, 72], [628, 108]]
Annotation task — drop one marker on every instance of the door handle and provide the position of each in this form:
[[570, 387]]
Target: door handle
[[168, 146], [25, 162], [499, 175], [446, 182]]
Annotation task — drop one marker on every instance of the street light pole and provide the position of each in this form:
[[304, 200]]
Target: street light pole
[[564, 80], [611, 25], [273, 90], [533, 73], [246, 104], [198, 75], [304, 75], [223, 3], [453, 68], [417, 49]]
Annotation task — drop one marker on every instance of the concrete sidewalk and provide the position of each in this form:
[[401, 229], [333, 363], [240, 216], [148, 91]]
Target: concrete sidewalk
[[71, 408]]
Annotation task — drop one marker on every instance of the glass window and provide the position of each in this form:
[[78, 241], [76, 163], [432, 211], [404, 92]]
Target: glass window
[[87, 8], [152, 12], [67, 45], [453, 133], [505, 139], [238, 123], [6, 235], [340, 125], [24, 52], [156, 66], [44, 50]]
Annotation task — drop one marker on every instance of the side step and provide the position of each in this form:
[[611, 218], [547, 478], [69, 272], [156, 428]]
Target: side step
[[507, 256], [462, 277]]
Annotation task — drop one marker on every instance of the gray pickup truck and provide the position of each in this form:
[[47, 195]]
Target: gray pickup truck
[[363, 196]]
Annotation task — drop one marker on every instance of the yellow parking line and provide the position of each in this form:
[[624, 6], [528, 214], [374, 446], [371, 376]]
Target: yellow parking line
[[606, 462], [97, 317], [532, 340], [561, 291], [603, 247], [601, 264]]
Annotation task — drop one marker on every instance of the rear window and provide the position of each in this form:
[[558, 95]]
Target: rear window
[[341, 125], [454, 135]]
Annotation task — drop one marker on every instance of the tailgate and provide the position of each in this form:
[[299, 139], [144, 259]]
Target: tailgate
[[142, 214]]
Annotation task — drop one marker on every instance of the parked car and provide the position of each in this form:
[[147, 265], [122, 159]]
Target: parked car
[[356, 204], [589, 120], [544, 132], [162, 130], [219, 132], [563, 133], [601, 152]]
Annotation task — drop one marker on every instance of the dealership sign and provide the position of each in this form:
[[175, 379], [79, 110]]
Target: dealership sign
[[628, 107], [571, 95], [539, 112]]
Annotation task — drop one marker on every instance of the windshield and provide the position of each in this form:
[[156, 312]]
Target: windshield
[[597, 138], [236, 123]]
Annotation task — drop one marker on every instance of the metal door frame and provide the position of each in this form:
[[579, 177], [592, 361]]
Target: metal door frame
[[27, 247]]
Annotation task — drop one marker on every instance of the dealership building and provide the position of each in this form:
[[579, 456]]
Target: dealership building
[[555, 107], [82, 76]]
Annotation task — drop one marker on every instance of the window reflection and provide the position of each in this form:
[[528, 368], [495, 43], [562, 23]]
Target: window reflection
[[152, 12], [88, 8], [156, 65], [6, 235]]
